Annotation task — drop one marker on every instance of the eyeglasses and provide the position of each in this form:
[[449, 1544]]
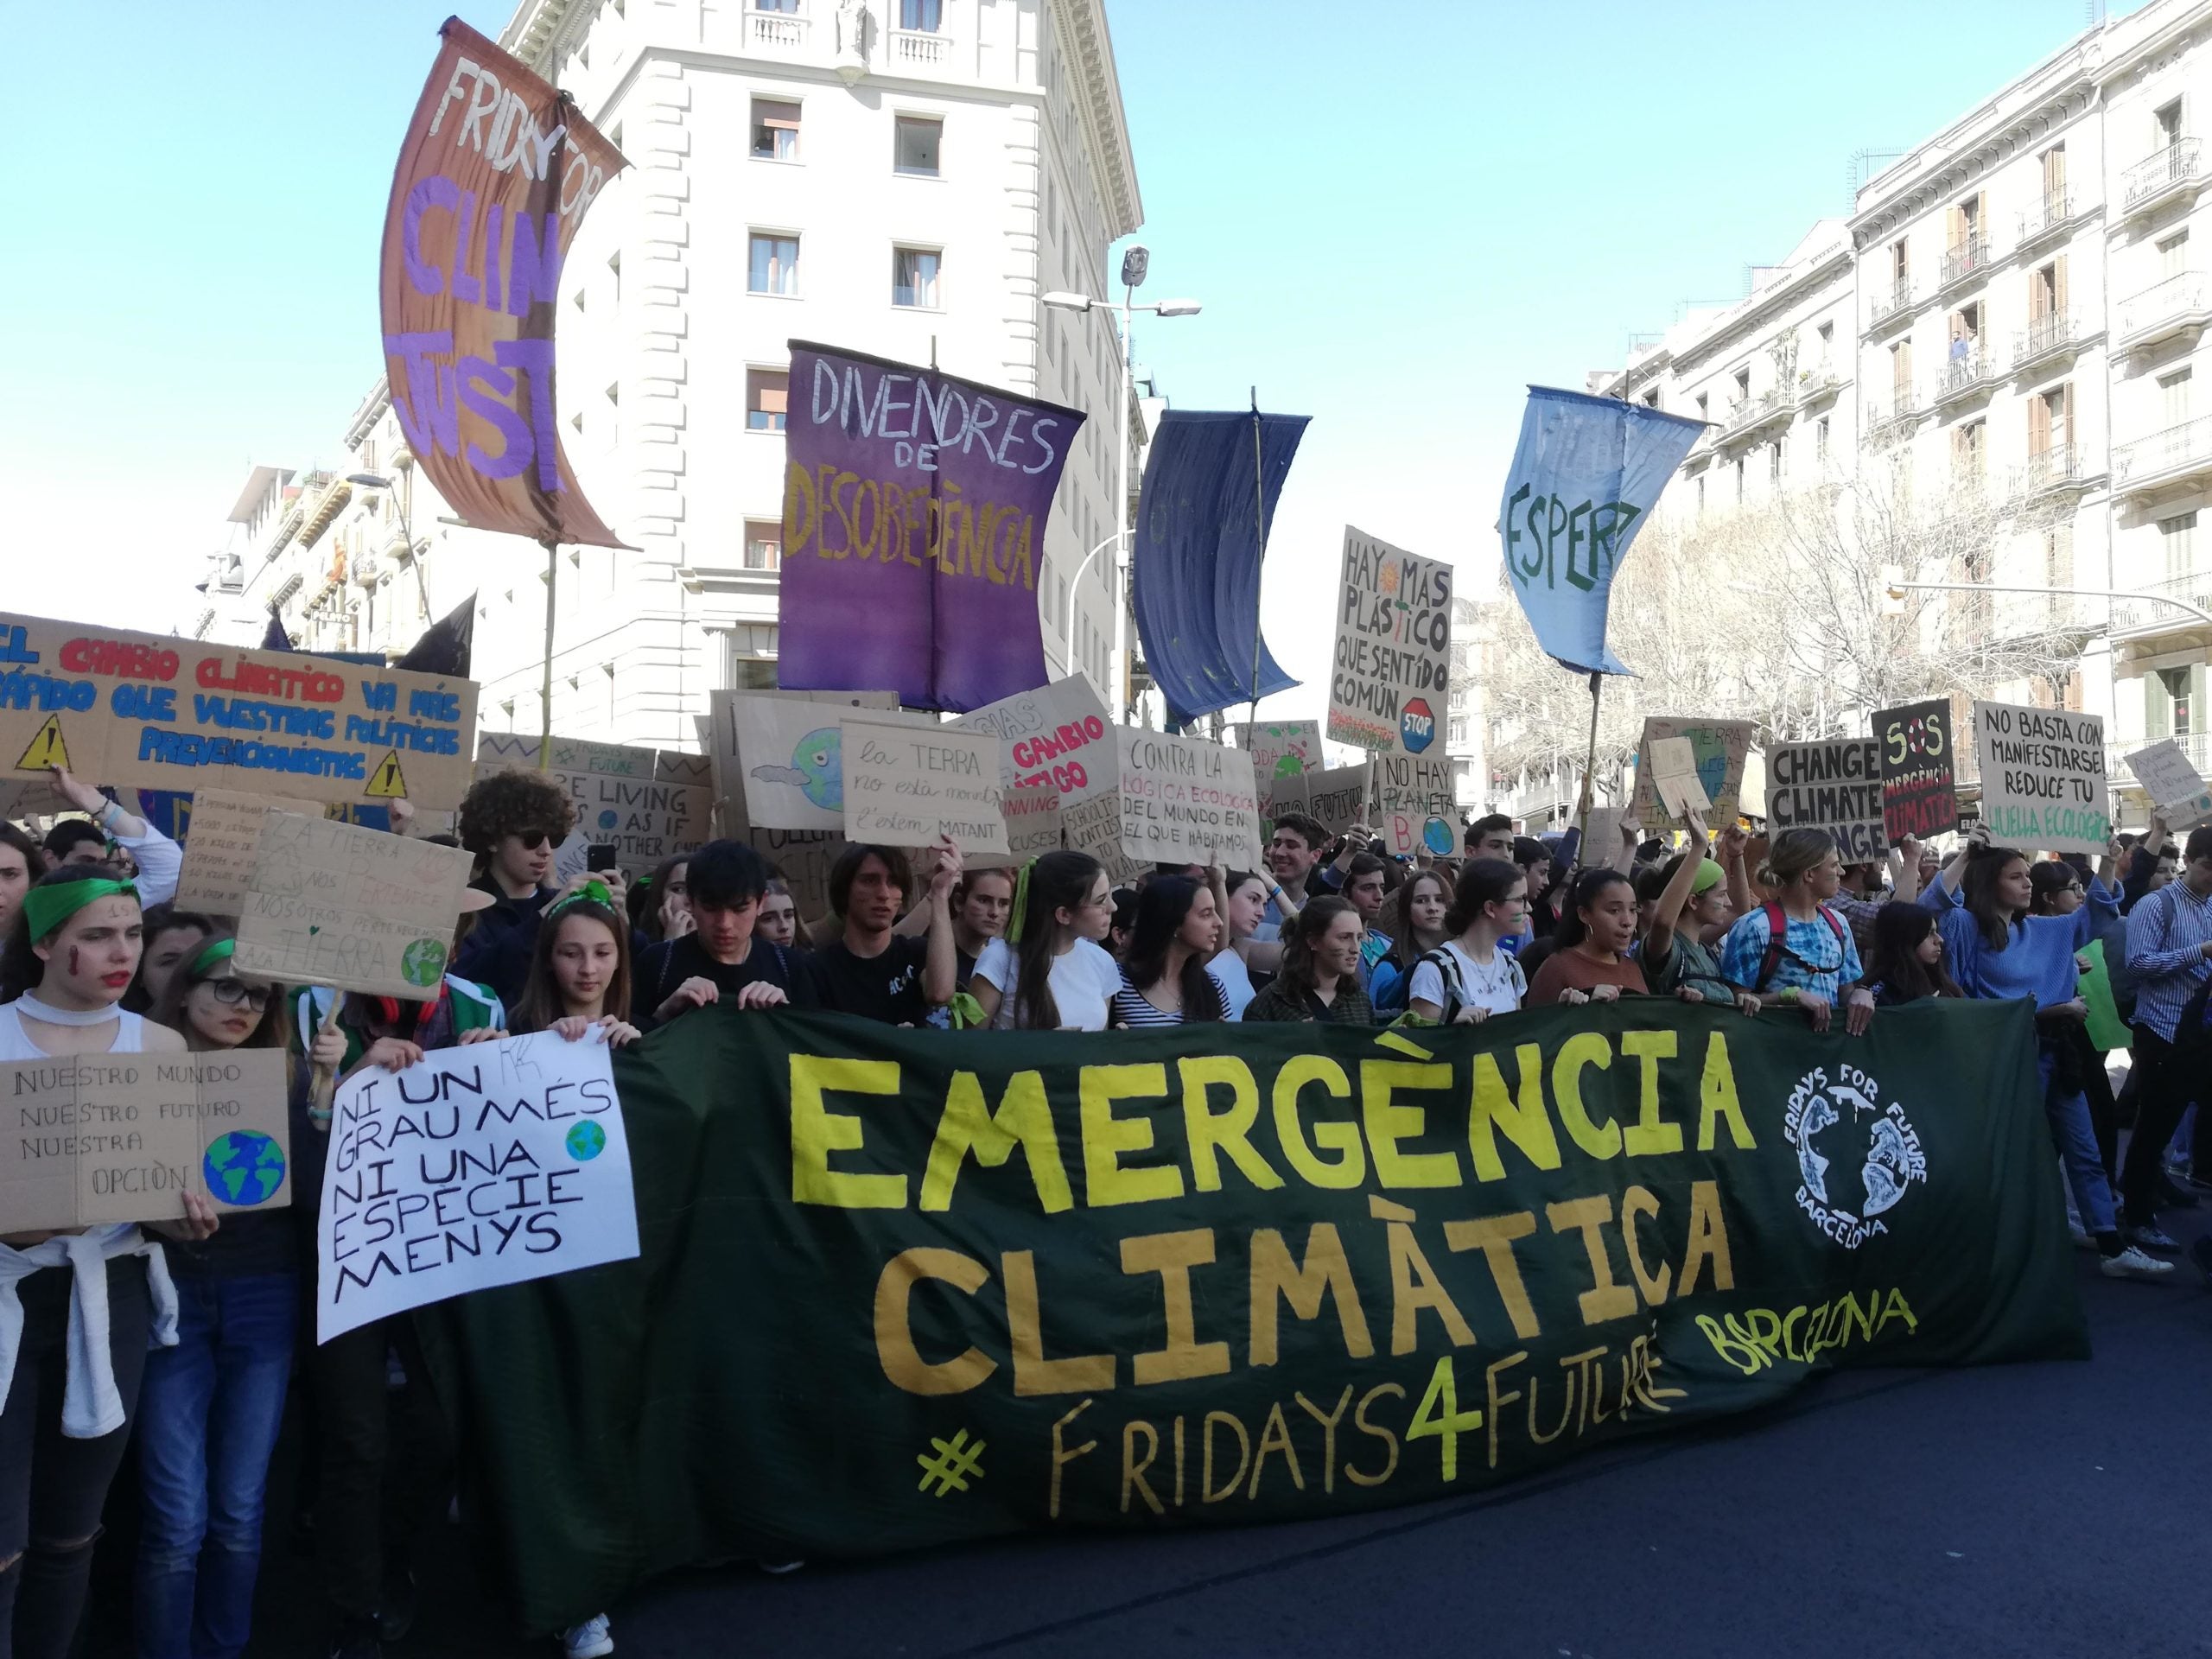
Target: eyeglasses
[[232, 992]]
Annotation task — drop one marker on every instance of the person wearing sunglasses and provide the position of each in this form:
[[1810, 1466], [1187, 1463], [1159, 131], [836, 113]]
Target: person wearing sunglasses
[[210, 1406], [511, 822]]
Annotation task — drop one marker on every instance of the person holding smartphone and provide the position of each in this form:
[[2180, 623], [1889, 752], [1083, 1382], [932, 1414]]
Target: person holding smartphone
[[512, 822]]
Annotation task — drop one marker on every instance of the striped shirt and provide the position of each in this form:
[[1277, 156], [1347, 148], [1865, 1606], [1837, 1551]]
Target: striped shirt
[[2165, 932], [1131, 1009]]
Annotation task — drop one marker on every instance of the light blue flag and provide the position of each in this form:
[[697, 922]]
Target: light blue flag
[[1586, 474]]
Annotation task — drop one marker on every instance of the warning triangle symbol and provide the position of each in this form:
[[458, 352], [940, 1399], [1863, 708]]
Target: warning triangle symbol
[[47, 749], [387, 779]]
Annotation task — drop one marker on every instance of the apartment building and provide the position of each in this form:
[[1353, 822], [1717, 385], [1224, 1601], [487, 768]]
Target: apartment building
[[2007, 327], [902, 177]]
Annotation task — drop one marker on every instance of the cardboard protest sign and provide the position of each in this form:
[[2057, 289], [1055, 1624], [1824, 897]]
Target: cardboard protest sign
[[800, 858], [778, 761], [1279, 747], [1674, 775], [907, 785], [483, 1166], [1185, 802], [1337, 798], [167, 712], [1057, 734], [914, 515], [646, 803], [2176, 788], [1919, 756], [1392, 672], [1096, 828], [1033, 821], [332, 904], [89, 1139], [1833, 785], [1409, 790], [496, 172], [2042, 777], [1720, 746], [224, 839]]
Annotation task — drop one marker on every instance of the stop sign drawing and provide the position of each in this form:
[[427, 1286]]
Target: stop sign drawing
[[1417, 726]]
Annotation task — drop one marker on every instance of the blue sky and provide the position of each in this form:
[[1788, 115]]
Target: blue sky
[[1396, 217]]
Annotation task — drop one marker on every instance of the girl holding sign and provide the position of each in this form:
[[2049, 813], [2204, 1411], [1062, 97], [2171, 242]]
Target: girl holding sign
[[209, 1416], [580, 971], [66, 1405]]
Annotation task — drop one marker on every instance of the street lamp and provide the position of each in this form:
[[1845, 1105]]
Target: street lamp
[[378, 481], [1136, 261]]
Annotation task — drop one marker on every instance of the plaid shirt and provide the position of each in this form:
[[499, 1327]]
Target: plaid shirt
[[2164, 934], [1279, 1002]]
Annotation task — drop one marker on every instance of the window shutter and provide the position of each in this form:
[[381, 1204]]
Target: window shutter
[[2157, 708], [1954, 227], [2058, 284], [2038, 427], [1981, 217], [2066, 414]]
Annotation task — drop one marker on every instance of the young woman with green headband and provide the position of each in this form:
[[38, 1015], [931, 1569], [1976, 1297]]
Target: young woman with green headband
[[208, 1417], [81, 1306], [1685, 923], [580, 971], [1051, 973]]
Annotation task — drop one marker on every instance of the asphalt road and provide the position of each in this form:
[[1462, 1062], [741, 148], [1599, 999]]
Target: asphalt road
[[2047, 1509]]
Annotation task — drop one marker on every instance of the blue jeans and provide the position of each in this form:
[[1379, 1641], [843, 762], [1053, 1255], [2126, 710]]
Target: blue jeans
[[208, 1421], [2077, 1136]]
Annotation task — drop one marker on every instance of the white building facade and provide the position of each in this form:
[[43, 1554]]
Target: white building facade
[[899, 177]]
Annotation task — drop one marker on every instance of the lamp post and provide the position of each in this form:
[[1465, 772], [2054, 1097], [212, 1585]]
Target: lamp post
[[378, 481], [1134, 263]]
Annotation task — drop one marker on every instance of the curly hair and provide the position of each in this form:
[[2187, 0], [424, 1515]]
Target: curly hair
[[513, 803]]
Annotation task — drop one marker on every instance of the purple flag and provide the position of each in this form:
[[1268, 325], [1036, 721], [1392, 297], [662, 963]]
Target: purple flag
[[914, 509]]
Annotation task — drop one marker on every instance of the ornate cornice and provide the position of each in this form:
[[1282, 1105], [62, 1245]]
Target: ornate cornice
[[1947, 166], [1081, 24]]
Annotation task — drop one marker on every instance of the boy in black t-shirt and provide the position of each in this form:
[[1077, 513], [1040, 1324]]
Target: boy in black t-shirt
[[721, 960], [872, 970]]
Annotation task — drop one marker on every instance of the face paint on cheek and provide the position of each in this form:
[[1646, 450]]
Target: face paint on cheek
[[73, 970]]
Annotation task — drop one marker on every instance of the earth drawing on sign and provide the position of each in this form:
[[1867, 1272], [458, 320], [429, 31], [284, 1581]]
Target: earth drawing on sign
[[244, 1166]]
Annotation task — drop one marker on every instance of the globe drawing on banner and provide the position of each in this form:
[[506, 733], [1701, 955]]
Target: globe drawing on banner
[[243, 1167]]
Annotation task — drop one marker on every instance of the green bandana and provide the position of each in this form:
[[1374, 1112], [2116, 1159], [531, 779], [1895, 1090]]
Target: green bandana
[[48, 907], [967, 1013], [596, 893], [208, 955]]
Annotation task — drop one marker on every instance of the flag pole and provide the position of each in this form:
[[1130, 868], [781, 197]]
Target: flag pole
[[546, 673], [1260, 541], [1590, 763]]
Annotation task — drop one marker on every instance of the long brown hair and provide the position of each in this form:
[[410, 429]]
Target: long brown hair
[[205, 964], [541, 1003], [1054, 881], [1404, 950], [1312, 926]]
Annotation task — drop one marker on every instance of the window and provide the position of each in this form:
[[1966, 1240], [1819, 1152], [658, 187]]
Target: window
[[2050, 422], [1702, 412], [2054, 181], [767, 394], [2177, 536], [1821, 439], [775, 264], [775, 130], [1651, 400], [1901, 373], [915, 142], [2173, 392], [924, 16], [1743, 386], [749, 656], [2177, 689], [1826, 333], [2173, 254], [2167, 120], [764, 544], [1773, 465], [775, 5], [1700, 494], [1968, 445], [1740, 481], [2043, 292], [913, 278], [1900, 272]]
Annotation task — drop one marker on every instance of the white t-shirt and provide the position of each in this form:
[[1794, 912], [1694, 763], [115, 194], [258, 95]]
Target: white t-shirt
[[1083, 980], [1496, 987], [1234, 979]]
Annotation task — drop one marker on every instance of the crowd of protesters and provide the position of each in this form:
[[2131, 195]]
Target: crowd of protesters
[[187, 1338]]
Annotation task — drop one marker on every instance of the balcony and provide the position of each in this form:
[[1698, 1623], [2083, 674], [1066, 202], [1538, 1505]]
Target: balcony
[[1967, 262], [2046, 340], [776, 31], [2196, 747], [2174, 457], [1889, 304], [2057, 470], [913, 48], [1754, 414], [1818, 384], [1903, 410], [2181, 305], [2173, 174], [2047, 219], [1964, 377], [2137, 618]]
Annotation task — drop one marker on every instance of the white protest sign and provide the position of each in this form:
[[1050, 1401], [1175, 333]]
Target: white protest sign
[[1185, 802], [1392, 674], [222, 839], [780, 760], [907, 786], [1056, 734], [1674, 774], [1833, 785], [1409, 790], [1033, 821], [647, 803], [488, 1165], [2176, 788], [1278, 748], [333, 903], [2042, 777]]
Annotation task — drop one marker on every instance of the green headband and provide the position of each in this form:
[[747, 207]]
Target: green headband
[[48, 907], [596, 893], [208, 955], [1708, 877]]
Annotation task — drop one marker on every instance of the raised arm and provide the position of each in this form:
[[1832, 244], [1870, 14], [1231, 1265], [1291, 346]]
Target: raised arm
[[1734, 842], [1667, 913], [942, 966], [1904, 869]]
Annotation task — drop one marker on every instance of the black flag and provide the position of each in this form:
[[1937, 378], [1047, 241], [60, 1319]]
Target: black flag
[[446, 644]]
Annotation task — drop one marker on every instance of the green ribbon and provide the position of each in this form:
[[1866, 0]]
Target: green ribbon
[[1021, 908], [48, 907], [596, 893], [967, 1013], [208, 955]]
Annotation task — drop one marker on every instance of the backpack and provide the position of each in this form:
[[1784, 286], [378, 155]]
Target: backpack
[[1454, 988], [1777, 931]]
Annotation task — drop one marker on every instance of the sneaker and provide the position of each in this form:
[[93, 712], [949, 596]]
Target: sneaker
[[2078, 1233], [2200, 1252], [2132, 1264], [357, 1639], [588, 1640], [779, 1568], [2152, 1236]]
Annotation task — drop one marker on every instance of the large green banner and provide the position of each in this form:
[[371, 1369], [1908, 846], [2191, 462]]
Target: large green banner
[[904, 1288]]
